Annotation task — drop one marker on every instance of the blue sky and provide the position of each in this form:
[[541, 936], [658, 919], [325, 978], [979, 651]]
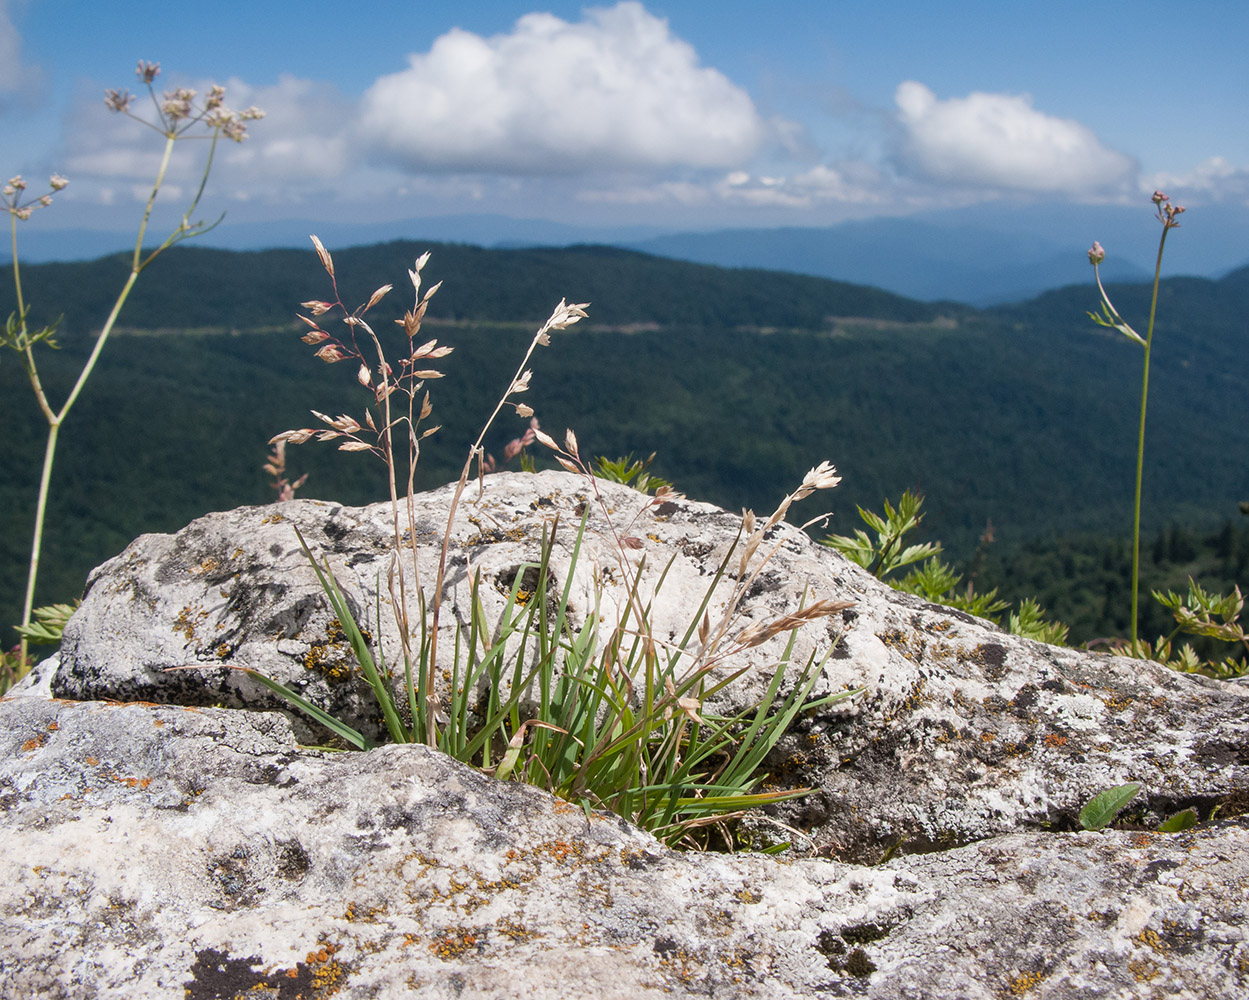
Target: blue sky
[[673, 114]]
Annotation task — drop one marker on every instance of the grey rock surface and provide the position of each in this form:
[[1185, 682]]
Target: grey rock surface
[[963, 731], [179, 852]]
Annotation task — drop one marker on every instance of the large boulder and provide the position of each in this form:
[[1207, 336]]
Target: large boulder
[[193, 853], [962, 731]]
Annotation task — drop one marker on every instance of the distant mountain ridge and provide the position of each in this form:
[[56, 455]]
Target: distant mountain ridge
[[982, 255]]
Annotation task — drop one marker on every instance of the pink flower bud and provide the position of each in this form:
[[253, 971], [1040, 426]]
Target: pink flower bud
[[1096, 254]]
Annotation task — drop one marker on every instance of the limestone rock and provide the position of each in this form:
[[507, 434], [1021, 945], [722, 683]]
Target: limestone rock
[[963, 731], [192, 853]]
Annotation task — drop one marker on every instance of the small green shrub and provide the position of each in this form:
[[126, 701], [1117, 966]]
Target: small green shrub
[[935, 580]]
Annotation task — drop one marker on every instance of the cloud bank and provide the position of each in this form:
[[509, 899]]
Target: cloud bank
[[616, 90], [1001, 141]]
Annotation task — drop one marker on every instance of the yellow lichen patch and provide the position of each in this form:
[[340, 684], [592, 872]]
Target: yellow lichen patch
[[1116, 703], [1023, 982], [273, 519], [187, 620], [748, 895], [987, 737], [209, 565], [1143, 970], [1150, 939], [517, 932], [333, 658]]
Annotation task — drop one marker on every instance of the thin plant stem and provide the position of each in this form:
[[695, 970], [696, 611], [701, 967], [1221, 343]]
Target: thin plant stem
[[474, 452], [1140, 442], [56, 417]]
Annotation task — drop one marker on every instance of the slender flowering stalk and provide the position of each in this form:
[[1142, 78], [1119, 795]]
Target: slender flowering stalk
[[175, 116], [1168, 215]]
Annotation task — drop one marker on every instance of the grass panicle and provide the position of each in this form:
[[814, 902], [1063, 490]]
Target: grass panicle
[[598, 711]]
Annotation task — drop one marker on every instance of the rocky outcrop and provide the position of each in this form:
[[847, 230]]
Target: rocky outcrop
[[167, 835], [164, 852]]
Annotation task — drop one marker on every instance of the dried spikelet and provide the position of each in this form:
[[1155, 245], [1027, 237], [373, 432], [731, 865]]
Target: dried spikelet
[[293, 437], [355, 446], [570, 442], [761, 632], [567, 464], [377, 296], [545, 439], [315, 337], [327, 261]]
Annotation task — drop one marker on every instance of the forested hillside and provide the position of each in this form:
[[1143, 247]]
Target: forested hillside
[[740, 380]]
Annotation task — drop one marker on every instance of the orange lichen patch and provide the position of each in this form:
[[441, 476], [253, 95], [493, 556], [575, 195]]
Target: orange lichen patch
[[561, 850], [158, 722], [129, 782], [987, 737], [455, 942], [1142, 839], [53, 726], [32, 744], [273, 519], [1054, 740]]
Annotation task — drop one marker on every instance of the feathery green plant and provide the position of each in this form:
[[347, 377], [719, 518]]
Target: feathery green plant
[[935, 580], [176, 114]]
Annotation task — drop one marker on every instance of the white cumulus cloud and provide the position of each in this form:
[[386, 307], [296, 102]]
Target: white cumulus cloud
[[1002, 141], [1214, 180], [614, 90]]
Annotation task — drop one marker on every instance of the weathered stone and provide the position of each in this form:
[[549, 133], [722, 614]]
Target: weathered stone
[[963, 731], [193, 853]]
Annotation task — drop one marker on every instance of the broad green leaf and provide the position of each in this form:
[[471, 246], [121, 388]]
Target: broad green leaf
[[1185, 819], [1105, 806]]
